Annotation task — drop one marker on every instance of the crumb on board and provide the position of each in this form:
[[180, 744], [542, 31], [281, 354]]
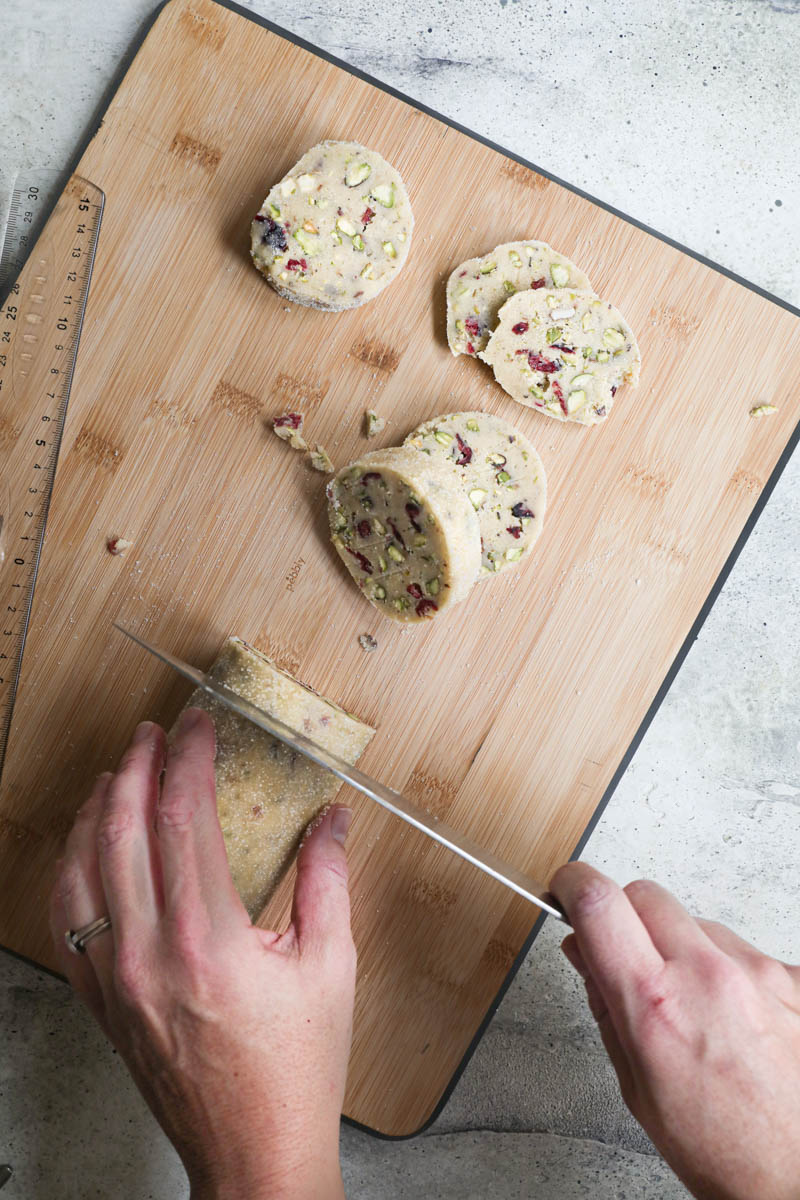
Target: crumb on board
[[117, 545], [288, 426], [373, 424], [763, 410], [320, 459], [367, 642]]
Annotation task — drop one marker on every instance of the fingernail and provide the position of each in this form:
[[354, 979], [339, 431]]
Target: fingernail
[[190, 719], [340, 823], [144, 733]]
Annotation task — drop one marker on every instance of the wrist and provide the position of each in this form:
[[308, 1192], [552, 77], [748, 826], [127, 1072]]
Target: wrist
[[304, 1175]]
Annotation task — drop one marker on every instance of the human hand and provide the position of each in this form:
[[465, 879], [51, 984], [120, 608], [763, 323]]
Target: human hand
[[237, 1038], [702, 1029]]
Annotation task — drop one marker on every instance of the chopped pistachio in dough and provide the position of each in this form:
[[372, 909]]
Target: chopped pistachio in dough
[[320, 459], [502, 476], [373, 424], [406, 531], [564, 353], [478, 288], [267, 793], [335, 230], [288, 428]]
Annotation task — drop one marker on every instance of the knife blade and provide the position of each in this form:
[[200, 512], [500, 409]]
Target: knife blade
[[389, 799]]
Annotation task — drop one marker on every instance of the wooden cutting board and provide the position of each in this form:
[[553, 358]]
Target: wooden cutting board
[[511, 716]]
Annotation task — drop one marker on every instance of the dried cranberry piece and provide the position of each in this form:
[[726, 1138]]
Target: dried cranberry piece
[[367, 215], [274, 235], [514, 530], [519, 510], [462, 274], [561, 346], [613, 391], [290, 420], [537, 283], [472, 326], [259, 217], [465, 457], [413, 512], [366, 565], [520, 327], [425, 606], [363, 529], [538, 363], [396, 532], [365, 478], [560, 397], [297, 264], [414, 590], [470, 348]]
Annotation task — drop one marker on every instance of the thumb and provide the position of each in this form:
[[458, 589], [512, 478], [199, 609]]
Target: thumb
[[321, 907]]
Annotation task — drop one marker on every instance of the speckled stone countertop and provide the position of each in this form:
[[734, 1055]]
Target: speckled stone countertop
[[683, 115]]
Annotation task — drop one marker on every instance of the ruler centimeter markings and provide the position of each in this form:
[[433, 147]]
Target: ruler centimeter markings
[[40, 329]]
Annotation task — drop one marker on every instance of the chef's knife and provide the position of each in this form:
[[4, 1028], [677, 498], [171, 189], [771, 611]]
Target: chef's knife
[[385, 796]]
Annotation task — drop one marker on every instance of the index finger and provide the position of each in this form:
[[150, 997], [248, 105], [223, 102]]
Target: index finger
[[612, 939]]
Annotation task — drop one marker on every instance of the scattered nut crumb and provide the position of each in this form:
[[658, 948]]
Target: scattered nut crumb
[[288, 427], [763, 410], [367, 642], [320, 459], [373, 424], [118, 545]]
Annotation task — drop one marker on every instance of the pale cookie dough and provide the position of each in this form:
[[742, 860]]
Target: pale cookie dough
[[267, 793], [478, 288], [564, 353], [406, 531], [335, 230], [502, 476]]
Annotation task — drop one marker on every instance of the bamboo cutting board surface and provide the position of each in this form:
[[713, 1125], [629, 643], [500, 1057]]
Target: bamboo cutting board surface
[[510, 715]]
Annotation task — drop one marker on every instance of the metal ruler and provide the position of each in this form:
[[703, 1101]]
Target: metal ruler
[[40, 328]]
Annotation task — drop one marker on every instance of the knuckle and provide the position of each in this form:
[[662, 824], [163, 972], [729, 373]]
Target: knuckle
[[115, 829], [130, 977], [590, 895], [176, 812]]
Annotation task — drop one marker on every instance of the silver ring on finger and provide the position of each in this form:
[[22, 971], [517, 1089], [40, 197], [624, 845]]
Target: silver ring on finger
[[77, 939]]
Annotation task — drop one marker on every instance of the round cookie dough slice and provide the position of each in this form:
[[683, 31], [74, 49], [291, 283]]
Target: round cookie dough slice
[[501, 474], [564, 353], [335, 230], [406, 531], [478, 288]]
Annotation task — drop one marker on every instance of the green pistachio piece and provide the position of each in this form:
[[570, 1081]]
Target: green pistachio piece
[[288, 187], [602, 356], [553, 335], [356, 173], [420, 539], [389, 250], [378, 526], [346, 227], [358, 242], [384, 194], [274, 210], [366, 272], [477, 497], [487, 268], [503, 476], [560, 275], [382, 563], [582, 380], [379, 592], [472, 425], [514, 258], [394, 554], [306, 183], [459, 326], [508, 287], [613, 338], [514, 554], [586, 323], [432, 587], [576, 400], [308, 241], [442, 437]]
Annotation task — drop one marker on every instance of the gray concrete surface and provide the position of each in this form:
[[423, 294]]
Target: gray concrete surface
[[683, 114]]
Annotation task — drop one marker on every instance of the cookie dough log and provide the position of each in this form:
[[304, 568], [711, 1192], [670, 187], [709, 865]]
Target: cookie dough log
[[478, 288], [502, 476], [406, 531], [266, 793], [564, 353], [335, 230]]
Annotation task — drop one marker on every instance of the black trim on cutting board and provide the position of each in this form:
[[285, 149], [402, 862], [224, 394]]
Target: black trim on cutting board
[[710, 599]]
